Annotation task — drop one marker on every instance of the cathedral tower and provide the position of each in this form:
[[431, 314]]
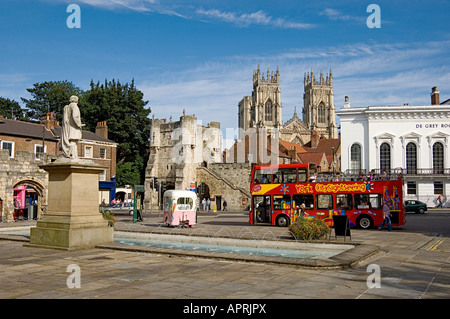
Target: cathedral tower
[[263, 108], [318, 105]]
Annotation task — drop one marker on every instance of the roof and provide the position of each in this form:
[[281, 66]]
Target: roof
[[325, 145], [289, 145], [36, 130], [25, 129], [446, 102], [312, 157], [85, 135]]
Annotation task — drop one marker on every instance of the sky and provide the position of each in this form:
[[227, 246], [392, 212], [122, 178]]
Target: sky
[[200, 55]]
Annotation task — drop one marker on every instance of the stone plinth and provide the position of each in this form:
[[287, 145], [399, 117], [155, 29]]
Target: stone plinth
[[72, 220]]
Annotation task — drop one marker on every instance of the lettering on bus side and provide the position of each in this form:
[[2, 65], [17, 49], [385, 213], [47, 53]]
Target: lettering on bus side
[[344, 187], [304, 189]]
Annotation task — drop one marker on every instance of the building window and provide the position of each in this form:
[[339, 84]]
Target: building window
[[268, 111], [102, 176], [438, 188], [88, 151], [355, 157], [385, 157], [411, 158], [8, 146], [411, 188], [438, 158], [103, 153], [321, 113], [39, 150]]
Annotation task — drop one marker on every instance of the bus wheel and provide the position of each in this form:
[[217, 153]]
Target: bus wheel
[[364, 222], [282, 221]]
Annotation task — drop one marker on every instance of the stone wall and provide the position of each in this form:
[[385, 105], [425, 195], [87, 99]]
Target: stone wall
[[22, 170], [238, 173], [237, 198]]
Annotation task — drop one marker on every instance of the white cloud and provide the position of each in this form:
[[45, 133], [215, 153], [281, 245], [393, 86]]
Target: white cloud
[[255, 18], [377, 74], [142, 6], [337, 15]]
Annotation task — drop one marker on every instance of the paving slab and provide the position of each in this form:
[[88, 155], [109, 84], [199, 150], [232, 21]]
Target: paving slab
[[412, 265]]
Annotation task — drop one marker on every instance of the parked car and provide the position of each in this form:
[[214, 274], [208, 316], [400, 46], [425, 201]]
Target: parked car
[[121, 208], [415, 206]]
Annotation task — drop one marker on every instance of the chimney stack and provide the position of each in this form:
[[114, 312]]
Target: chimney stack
[[314, 139], [434, 96], [49, 121], [101, 129]]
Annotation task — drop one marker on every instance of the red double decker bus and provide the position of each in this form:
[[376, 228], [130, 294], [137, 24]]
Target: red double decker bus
[[278, 191]]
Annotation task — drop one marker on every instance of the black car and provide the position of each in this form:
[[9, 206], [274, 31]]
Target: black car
[[415, 206]]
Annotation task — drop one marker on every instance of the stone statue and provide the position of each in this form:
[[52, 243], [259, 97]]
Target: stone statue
[[71, 129]]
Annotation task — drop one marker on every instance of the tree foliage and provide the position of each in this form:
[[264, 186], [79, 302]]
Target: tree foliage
[[11, 109], [120, 105], [123, 107], [49, 97]]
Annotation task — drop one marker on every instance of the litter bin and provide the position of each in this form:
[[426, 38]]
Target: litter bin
[[32, 209]]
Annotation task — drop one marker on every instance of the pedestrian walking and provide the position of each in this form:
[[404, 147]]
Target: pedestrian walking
[[225, 205], [439, 201], [386, 217]]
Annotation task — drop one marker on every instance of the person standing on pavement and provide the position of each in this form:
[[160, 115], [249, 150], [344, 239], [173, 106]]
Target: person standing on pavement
[[386, 217], [225, 205], [204, 204]]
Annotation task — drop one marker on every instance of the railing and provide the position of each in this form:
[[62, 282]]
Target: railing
[[396, 171]]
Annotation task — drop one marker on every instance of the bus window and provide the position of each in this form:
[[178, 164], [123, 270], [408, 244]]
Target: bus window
[[302, 175], [324, 201], [285, 175], [344, 201], [262, 176], [308, 200], [281, 202], [368, 201], [312, 169]]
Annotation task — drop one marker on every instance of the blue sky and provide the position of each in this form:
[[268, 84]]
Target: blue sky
[[200, 55]]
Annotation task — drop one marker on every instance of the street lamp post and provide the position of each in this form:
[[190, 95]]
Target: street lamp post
[[333, 163]]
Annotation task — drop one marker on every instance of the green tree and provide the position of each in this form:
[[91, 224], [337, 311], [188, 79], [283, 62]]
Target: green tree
[[11, 109], [49, 96], [123, 108]]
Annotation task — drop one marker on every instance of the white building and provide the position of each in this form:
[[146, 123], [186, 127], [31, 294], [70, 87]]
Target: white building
[[413, 140]]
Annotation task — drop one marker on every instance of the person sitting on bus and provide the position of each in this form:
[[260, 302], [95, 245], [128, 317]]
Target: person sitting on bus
[[313, 178]]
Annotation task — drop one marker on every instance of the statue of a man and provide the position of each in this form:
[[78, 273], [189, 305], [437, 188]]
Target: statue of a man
[[71, 128]]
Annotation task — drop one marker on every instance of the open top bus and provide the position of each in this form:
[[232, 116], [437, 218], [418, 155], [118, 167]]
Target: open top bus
[[278, 192]]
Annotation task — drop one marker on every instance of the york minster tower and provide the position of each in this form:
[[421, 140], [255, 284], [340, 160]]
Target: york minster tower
[[318, 105], [263, 108]]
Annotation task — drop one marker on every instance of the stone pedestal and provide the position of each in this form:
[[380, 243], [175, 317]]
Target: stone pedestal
[[72, 220]]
